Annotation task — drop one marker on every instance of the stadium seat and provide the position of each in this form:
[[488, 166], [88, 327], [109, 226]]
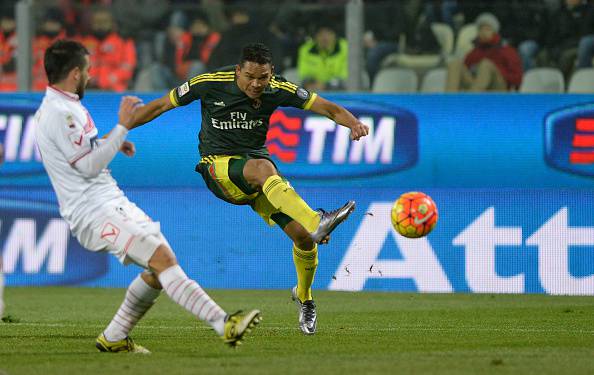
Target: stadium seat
[[543, 80], [434, 80], [582, 81], [395, 80], [464, 40], [292, 75], [445, 36]]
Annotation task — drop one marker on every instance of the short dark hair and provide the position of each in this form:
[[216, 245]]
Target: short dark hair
[[61, 57], [256, 52]]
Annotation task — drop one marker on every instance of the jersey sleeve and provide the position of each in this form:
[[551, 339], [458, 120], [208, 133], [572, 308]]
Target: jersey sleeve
[[291, 95], [73, 138], [188, 92]]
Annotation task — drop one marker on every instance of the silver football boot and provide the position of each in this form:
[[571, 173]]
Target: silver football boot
[[308, 320], [330, 220]]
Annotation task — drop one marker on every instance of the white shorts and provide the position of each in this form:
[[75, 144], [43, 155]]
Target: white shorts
[[124, 230]]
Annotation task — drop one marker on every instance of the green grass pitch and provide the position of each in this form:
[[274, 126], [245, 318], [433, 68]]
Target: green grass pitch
[[359, 333]]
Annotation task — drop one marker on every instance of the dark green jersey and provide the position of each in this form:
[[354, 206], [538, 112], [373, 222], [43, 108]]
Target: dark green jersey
[[233, 123]]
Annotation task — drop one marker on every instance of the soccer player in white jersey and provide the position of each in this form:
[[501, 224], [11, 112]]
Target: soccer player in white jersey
[[98, 212]]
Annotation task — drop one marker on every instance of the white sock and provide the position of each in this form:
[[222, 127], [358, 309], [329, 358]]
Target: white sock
[[1, 294], [188, 294], [139, 299]]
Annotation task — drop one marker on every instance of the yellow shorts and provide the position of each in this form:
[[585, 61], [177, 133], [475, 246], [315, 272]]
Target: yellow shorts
[[223, 175]]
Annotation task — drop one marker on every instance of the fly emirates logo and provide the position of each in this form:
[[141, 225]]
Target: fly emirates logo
[[237, 120]]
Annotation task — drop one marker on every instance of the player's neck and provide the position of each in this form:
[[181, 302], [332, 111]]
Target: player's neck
[[65, 86]]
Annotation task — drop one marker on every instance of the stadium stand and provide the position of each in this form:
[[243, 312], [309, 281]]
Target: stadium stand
[[464, 40], [434, 81], [396, 80], [543, 80], [582, 81]]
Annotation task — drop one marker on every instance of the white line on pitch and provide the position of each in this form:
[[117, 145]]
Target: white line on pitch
[[278, 326]]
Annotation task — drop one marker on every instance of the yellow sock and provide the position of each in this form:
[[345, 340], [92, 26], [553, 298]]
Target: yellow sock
[[306, 263], [285, 199]]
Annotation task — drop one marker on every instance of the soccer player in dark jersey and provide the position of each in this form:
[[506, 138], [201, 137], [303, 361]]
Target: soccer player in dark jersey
[[236, 104]]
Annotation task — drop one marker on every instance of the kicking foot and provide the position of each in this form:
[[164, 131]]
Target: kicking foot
[[330, 220]]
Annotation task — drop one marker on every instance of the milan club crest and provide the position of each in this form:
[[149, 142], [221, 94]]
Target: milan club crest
[[256, 103]]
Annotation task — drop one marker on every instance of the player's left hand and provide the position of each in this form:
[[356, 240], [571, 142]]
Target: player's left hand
[[128, 148], [359, 130]]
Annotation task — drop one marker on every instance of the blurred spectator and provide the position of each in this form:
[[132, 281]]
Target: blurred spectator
[[215, 12], [287, 26], [52, 29], [113, 58], [469, 10], [525, 25], [490, 66], [382, 33], [167, 70], [421, 39], [141, 20], [8, 43], [243, 30], [323, 61], [440, 11], [567, 26], [202, 42]]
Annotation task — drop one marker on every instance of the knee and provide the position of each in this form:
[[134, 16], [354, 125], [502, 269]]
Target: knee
[[258, 171], [162, 259], [486, 64], [151, 279]]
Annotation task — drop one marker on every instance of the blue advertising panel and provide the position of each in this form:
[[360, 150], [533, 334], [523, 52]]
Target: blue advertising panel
[[488, 241], [511, 175], [36, 244], [429, 141], [314, 147]]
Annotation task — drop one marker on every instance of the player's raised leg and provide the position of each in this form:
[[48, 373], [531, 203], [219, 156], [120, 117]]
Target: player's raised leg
[[188, 294], [262, 174]]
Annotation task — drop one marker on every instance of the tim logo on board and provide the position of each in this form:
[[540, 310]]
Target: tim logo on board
[[307, 145], [37, 248], [569, 139], [22, 161]]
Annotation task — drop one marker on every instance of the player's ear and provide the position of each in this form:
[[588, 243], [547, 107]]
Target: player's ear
[[271, 70], [237, 69], [76, 73]]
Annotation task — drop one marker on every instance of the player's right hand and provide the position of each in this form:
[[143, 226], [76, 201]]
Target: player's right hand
[[128, 106], [359, 130]]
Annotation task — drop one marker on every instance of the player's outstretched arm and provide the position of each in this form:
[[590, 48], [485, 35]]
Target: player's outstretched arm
[[151, 111], [97, 158], [340, 115]]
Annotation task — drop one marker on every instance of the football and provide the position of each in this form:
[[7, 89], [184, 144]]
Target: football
[[414, 214]]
